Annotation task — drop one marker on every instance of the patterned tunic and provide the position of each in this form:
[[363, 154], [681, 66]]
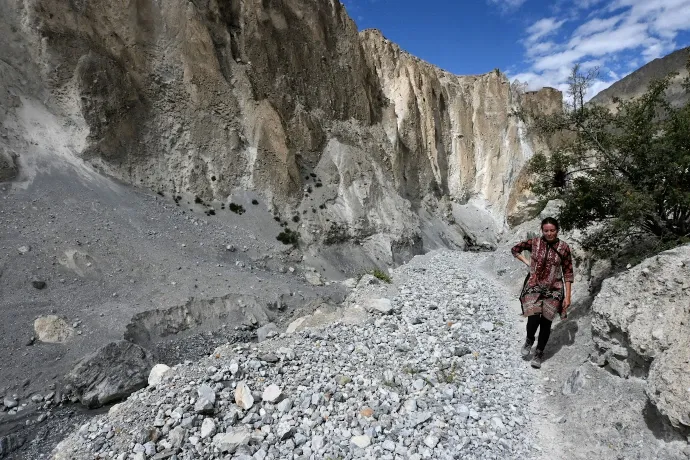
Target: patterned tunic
[[551, 264]]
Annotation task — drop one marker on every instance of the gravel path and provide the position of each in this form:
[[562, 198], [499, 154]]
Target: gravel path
[[439, 375]]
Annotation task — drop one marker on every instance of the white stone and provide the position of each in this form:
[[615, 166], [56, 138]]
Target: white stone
[[271, 393], [208, 428], [487, 326], [243, 396], [156, 374], [362, 441]]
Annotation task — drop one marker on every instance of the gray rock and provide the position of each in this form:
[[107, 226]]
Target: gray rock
[[431, 441], [270, 358], [266, 332], [206, 399], [285, 431], [636, 318], [419, 417], [110, 374], [10, 402], [573, 383], [285, 405], [230, 441], [177, 436], [317, 443], [38, 284], [208, 428], [381, 306]]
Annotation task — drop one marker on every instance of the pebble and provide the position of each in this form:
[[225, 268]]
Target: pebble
[[362, 441], [418, 383]]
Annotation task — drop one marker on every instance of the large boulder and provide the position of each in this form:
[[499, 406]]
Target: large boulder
[[641, 324], [111, 373]]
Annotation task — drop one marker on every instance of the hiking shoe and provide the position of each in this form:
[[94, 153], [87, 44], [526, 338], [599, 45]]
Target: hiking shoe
[[527, 348], [538, 359]]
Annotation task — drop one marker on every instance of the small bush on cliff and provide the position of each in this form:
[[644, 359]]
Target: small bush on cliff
[[380, 274], [624, 177], [288, 237], [236, 208]]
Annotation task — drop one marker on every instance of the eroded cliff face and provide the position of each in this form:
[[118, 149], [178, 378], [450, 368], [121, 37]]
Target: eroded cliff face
[[344, 129]]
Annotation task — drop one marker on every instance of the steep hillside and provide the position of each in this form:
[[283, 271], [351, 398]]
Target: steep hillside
[[636, 83], [212, 97]]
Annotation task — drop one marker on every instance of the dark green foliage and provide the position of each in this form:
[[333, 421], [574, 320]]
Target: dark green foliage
[[295, 218], [160, 193], [213, 178], [624, 177], [322, 206], [197, 200], [276, 218], [319, 184], [288, 236], [383, 276], [210, 212], [236, 208], [255, 202]]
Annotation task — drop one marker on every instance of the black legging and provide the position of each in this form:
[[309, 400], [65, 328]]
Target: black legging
[[544, 325]]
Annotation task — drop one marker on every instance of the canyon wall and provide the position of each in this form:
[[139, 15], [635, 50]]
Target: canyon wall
[[361, 140]]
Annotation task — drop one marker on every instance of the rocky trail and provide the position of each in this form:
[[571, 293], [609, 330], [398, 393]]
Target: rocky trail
[[431, 372], [425, 367]]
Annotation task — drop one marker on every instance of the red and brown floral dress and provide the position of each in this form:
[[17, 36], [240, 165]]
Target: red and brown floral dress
[[551, 265]]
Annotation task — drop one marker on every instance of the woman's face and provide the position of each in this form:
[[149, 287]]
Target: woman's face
[[549, 231]]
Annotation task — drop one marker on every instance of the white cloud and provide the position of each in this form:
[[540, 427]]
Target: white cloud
[[612, 38], [596, 25], [507, 5], [543, 28]]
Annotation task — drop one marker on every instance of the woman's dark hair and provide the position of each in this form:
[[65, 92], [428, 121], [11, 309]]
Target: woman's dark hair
[[552, 221]]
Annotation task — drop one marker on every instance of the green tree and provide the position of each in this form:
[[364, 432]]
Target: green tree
[[623, 175]]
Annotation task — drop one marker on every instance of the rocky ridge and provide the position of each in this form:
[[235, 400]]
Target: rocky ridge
[[430, 377], [636, 83], [352, 135]]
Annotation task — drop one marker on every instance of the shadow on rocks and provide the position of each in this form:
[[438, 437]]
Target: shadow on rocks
[[564, 333], [660, 426]]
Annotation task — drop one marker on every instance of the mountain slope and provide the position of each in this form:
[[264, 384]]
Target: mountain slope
[[636, 83]]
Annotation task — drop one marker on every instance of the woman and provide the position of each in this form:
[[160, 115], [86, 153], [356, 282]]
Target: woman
[[543, 293]]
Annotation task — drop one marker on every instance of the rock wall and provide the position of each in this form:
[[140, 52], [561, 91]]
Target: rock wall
[[344, 129], [641, 324]]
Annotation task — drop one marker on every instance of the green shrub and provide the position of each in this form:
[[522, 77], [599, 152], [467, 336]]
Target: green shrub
[[288, 236], [383, 276], [236, 208]]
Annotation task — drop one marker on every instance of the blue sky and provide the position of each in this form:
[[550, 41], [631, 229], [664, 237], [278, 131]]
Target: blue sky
[[533, 41]]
